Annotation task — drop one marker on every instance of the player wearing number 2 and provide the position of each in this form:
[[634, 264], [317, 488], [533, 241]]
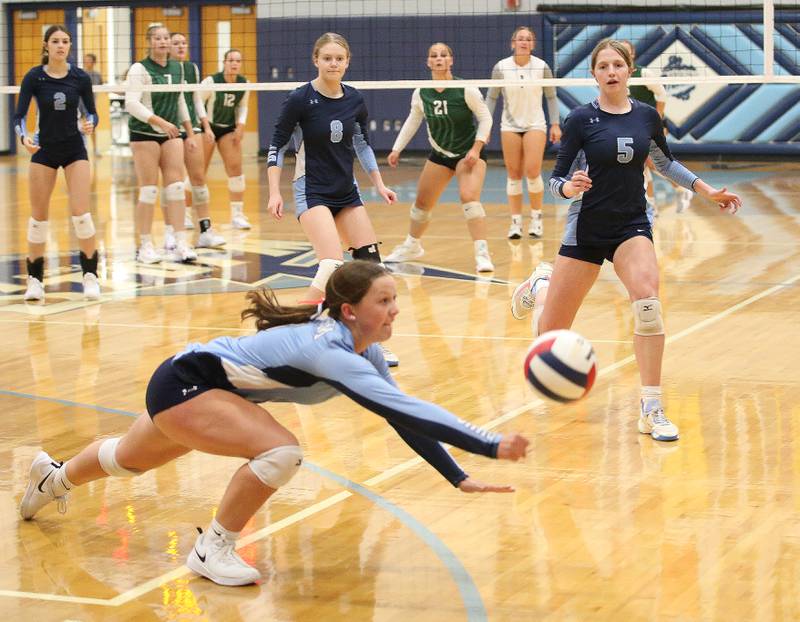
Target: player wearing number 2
[[328, 122], [600, 163]]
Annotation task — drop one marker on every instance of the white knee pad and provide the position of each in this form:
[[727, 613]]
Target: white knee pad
[[513, 187], [107, 456], [647, 319], [83, 225], [473, 209], [200, 194], [148, 195], [324, 270], [277, 466], [419, 215], [37, 231], [535, 184], [236, 184], [175, 191]]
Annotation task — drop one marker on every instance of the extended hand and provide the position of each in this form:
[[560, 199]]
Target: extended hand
[[473, 485], [512, 447]]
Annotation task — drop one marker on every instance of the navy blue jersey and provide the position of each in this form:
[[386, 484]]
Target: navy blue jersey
[[332, 132], [57, 100], [312, 362], [615, 148]]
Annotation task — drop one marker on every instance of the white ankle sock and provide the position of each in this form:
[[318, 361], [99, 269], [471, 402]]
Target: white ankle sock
[[410, 239], [145, 238], [218, 531], [651, 397], [481, 247], [516, 219], [61, 483]]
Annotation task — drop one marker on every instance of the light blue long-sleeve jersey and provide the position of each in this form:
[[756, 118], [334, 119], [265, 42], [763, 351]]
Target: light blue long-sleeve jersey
[[311, 362]]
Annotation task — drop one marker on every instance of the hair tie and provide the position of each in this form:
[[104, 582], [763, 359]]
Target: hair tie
[[321, 306]]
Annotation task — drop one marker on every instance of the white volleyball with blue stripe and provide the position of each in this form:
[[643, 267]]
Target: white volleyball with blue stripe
[[561, 365]]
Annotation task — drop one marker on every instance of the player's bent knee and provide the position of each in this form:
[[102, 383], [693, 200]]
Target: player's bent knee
[[107, 456], [324, 271], [277, 466], [37, 231], [535, 184], [369, 252], [148, 195], [473, 209], [200, 194], [513, 187], [175, 191], [236, 184], [84, 226], [419, 215], [647, 318]]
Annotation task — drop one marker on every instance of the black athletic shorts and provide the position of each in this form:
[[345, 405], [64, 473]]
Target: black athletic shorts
[[220, 131], [56, 155], [136, 137], [450, 163], [598, 254]]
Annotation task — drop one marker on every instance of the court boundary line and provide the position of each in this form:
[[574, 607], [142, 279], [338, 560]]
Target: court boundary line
[[152, 584]]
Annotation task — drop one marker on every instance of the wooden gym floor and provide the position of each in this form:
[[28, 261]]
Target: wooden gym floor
[[604, 524]]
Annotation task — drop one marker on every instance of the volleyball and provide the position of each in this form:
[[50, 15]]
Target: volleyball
[[561, 365]]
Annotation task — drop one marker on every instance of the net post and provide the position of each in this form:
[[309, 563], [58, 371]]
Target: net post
[[769, 38]]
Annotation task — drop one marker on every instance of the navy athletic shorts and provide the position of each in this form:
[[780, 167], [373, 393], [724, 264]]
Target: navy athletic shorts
[[598, 254], [56, 155]]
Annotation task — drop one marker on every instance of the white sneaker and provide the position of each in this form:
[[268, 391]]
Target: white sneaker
[[35, 289], [655, 423], [239, 221], [188, 223], [215, 558], [684, 199], [390, 357], [407, 251], [40, 487], [169, 241], [91, 286], [183, 253], [536, 227], [483, 263], [514, 231], [210, 239], [524, 297], [148, 254]]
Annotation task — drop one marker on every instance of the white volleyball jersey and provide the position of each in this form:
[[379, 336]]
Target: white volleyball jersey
[[522, 105]]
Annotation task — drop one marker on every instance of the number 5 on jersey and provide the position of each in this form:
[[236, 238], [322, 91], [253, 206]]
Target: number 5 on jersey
[[624, 149]]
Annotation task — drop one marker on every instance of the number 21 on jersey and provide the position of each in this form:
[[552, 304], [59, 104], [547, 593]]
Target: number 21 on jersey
[[440, 107]]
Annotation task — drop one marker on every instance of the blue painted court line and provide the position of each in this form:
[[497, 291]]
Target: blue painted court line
[[473, 604]]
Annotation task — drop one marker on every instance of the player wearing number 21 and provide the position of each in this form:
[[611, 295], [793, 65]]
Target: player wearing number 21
[[600, 167]]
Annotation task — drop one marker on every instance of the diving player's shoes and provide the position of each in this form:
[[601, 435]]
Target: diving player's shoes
[[215, 558], [655, 423], [407, 251], [35, 289], [40, 487], [524, 296]]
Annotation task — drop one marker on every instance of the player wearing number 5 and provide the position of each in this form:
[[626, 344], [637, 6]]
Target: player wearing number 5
[[227, 113], [328, 122], [457, 150], [600, 166]]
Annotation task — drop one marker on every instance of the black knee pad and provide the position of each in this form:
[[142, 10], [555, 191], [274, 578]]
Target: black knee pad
[[367, 253]]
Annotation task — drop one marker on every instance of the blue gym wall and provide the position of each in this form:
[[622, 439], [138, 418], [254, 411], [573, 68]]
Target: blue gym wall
[[728, 119]]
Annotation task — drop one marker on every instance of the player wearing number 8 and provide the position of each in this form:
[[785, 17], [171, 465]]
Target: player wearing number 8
[[600, 166], [328, 123]]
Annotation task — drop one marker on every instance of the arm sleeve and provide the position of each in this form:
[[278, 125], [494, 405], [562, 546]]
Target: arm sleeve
[[137, 76], [23, 103], [551, 98], [434, 453], [665, 163], [242, 108], [475, 102], [358, 379], [656, 88], [494, 92], [366, 156], [205, 95], [197, 98], [414, 119], [284, 127], [183, 109], [571, 145], [87, 97]]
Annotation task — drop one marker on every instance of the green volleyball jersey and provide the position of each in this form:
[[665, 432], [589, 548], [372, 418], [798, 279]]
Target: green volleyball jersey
[[451, 125], [191, 75], [223, 104], [640, 91], [164, 105]]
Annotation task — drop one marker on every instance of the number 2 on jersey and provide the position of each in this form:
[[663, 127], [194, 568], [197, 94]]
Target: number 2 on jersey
[[337, 131], [624, 149]]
